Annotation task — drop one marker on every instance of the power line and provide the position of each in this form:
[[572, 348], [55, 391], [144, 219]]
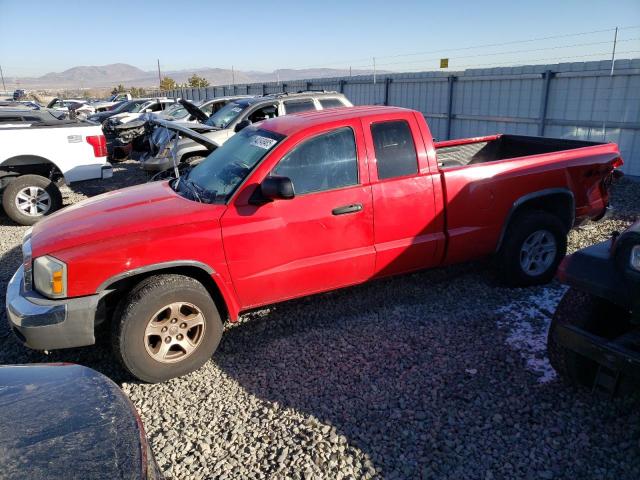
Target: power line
[[566, 35], [510, 63], [508, 52]]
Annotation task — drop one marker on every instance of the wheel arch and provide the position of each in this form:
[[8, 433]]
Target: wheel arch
[[28, 163], [557, 201], [119, 284]]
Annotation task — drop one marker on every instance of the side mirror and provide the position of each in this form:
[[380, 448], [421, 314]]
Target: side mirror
[[273, 188], [240, 125]]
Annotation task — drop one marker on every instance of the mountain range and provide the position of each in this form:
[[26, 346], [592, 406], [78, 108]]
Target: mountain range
[[121, 73]]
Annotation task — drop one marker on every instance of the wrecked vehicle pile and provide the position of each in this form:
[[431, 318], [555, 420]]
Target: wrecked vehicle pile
[[238, 114]]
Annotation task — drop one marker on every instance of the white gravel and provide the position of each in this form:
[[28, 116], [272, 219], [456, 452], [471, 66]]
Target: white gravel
[[437, 374]]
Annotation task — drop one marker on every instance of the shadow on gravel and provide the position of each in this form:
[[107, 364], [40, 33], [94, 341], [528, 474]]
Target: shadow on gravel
[[426, 391]]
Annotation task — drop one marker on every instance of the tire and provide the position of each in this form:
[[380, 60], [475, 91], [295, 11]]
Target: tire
[[539, 232], [591, 313], [146, 309], [19, 197]]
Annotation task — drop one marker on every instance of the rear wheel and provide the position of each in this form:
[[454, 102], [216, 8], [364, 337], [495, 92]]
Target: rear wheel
[[534, 244], [590, 313], [167, 326], [28, 198]]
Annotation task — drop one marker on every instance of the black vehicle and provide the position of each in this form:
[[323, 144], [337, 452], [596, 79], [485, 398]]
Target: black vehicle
[[594, 339], [68, 421], [19, 94], [120, 107]]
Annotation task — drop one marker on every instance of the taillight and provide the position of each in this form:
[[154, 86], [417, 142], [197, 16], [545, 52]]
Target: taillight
[[617, 163], [99, 144]]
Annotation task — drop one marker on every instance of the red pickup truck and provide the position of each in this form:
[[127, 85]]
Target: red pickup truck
[[289, 207]]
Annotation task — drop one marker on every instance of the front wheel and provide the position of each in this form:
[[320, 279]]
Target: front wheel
[[534, 245], [29, 198], [166, 327]]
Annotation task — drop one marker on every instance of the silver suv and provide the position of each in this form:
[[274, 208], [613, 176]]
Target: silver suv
[[237, 115]]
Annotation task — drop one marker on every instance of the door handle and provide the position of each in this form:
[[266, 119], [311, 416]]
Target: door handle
[[354, 207]]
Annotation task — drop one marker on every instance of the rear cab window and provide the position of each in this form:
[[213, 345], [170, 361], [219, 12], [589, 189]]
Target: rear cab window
[[331, 103], [395, 150], [295, 106]]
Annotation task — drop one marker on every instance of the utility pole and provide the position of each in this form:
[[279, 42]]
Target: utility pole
[[233, 76], [159, 77], [613, 53], [613, 60], [2, 75], [349, 71], [374, 70]]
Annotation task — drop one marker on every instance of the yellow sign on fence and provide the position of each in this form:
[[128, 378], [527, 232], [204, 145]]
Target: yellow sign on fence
[[444, 63]]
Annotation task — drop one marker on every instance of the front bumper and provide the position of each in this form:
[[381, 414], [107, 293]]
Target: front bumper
[[621, 354], [156, 164], [86, 172], [45, 324], [593, 270]]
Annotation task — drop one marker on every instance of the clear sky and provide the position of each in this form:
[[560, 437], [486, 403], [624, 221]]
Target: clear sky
[[37, 37]]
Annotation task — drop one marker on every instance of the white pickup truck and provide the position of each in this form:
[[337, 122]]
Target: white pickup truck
[[36, 151]]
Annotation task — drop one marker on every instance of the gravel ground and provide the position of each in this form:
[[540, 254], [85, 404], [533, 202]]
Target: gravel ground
[[437, 374]]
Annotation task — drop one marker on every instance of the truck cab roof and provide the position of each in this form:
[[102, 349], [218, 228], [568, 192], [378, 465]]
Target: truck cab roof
[[288, 124]]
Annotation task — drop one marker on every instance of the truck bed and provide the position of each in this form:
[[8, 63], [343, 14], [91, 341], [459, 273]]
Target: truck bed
[[470, 151]]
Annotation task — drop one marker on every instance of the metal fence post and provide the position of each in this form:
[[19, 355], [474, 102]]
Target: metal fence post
[[309, 84], [544, 101], [264, 89], [342, 84], [387, 82], [450, 80], [284, 87]]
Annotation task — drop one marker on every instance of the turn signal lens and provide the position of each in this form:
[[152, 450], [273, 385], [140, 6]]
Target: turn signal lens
[[56, 284]]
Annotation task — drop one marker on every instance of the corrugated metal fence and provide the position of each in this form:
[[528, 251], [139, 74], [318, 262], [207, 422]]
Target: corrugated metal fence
[[571, 100]]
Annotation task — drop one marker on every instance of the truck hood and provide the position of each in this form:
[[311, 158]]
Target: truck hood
[[119, 213]]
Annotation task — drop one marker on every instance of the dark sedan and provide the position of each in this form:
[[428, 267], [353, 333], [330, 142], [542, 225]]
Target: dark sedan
[[68, 421]]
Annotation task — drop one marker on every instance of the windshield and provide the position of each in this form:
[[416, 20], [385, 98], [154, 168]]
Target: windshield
[[215, 179], [227, 114], [176, 111], [119, 107], [136, 106]]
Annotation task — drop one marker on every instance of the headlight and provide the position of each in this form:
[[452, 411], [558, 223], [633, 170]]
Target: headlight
[[635, 258], [26, 260], [50, 276]]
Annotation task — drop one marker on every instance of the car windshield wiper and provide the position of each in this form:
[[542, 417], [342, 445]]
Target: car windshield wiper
[[190, 186]]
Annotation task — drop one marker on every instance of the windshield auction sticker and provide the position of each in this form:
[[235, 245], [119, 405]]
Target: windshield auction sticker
[[262, 142]]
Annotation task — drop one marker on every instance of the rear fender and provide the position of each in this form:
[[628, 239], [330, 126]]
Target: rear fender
[[557, 201]]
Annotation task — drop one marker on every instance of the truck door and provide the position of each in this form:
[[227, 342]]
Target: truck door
[[319, 240], [408, 232]]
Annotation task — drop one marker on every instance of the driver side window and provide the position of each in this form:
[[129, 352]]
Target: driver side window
[[325, 162]]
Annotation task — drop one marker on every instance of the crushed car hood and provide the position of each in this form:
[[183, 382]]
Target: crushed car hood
[[186, 131], [123, 212], [193, 110]]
